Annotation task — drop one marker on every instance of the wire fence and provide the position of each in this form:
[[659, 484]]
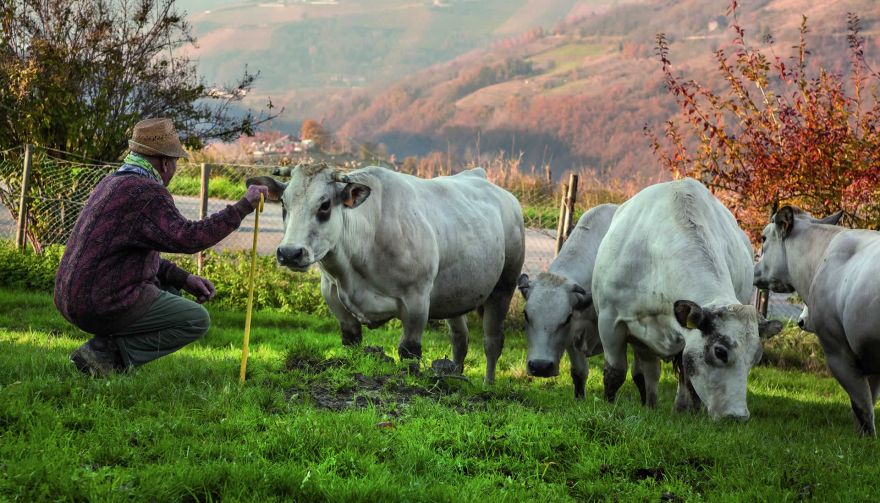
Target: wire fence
[[57, 191], [58, 188]]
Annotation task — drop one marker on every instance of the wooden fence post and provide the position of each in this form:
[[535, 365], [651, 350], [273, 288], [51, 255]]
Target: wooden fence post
[[566, 211], [559, 224], [21, 234], [762, 299], [570, 201], [203, 208]]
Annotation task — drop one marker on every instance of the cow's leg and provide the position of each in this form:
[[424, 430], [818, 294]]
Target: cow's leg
[[847, 373], [414, 315], [580, 368], [646, 375], [494, 311], [686, 398], [458, 335], [348, 324], [613, 336]]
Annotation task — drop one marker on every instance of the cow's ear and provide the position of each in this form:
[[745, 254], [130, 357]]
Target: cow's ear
[[784, 220], [832, 219], [768, 328], [689, 314], [583, 300], [354, 194], [276, 188], [523, 284]]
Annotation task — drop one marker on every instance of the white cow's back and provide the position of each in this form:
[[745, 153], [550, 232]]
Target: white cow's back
[[672, 241]]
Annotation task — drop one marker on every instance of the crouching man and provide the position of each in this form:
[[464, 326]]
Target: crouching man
[[111, 281]]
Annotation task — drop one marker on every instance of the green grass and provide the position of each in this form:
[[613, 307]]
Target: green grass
[[568, 56], [183, 428], [218, 187]]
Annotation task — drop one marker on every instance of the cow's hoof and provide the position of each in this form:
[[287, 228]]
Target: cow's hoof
[[613, 380], [351, 338], [409, 350]]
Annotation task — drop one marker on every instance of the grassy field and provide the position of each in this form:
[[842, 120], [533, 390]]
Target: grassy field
[[319, 422]]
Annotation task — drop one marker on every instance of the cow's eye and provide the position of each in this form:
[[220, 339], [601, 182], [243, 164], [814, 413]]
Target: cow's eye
[[763, 238], [567, 320], [721, 353], [526, 316], [325, 206]]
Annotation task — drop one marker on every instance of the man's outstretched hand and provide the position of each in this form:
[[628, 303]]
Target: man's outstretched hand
[[253, 194], [202, 289]]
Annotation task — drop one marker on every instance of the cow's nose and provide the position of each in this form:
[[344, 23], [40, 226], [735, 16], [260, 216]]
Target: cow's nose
[[542, 368], [289, 255]]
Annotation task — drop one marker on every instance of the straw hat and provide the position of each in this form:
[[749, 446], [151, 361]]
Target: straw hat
[[156, 137]]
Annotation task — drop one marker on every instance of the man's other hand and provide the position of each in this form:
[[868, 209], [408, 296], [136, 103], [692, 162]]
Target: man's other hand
[[202, 289], [253, 194]]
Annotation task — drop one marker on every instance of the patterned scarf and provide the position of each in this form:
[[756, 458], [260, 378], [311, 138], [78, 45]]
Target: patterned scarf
[[135, 163]]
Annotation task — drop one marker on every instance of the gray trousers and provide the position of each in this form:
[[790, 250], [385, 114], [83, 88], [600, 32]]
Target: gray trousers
[[171, 323]]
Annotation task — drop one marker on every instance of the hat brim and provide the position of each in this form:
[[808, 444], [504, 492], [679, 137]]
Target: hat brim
[[176, 151]]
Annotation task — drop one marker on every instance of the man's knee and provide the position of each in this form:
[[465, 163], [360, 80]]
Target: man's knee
[[199, 322]]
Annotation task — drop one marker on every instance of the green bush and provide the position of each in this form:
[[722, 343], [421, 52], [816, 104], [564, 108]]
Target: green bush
[[27, 270], [795, 349], [274, 287]]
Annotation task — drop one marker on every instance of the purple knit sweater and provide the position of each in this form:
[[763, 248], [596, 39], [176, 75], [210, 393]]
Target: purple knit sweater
[[109, 274]]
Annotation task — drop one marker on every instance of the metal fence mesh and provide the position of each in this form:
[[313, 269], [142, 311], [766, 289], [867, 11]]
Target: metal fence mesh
[[58, 190], [60, 187]]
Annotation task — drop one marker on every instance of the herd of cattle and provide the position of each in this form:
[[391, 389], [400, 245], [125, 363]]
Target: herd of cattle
[[668, 273]]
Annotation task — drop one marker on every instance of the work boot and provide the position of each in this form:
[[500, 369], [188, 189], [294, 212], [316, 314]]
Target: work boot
[[98, 357]]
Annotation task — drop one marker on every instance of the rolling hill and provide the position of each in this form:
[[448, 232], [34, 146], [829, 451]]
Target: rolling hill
[[311, 53], [579, 96]]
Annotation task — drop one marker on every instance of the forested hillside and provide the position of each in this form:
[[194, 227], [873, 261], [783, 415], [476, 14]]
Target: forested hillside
[[579, 96]]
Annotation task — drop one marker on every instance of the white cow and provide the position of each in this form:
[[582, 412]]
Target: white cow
[[559, 308], [673, 278], [391, 245], [835, 271]]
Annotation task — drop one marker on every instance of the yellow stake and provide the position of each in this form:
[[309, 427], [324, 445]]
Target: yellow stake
[[250, 302]]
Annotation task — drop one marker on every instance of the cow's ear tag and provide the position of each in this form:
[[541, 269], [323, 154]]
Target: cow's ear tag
[[691, 324]]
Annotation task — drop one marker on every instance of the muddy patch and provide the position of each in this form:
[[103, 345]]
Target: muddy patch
[[389, 392], [381, 391]]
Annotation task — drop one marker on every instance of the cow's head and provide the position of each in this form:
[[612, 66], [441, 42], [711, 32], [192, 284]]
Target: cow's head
[[721, 345], [772, 271], [556, 309], [312, 205]]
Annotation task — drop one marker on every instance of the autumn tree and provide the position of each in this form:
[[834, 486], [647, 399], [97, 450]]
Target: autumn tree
[[314, 131], [76, 75], [775, 133]]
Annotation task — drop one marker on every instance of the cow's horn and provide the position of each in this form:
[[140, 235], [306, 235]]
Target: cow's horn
[[339, 177]]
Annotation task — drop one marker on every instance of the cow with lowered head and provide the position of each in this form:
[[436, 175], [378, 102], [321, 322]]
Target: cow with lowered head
[[391, 245], [559, 309], [835, 271], [673, 278]]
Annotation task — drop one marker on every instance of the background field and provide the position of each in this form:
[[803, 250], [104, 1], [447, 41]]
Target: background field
[[319, 422]]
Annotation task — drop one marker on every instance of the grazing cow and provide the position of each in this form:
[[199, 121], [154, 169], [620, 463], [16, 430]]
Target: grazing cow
[[391, 245], [835, 271], [673, 278], [559, 308]]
